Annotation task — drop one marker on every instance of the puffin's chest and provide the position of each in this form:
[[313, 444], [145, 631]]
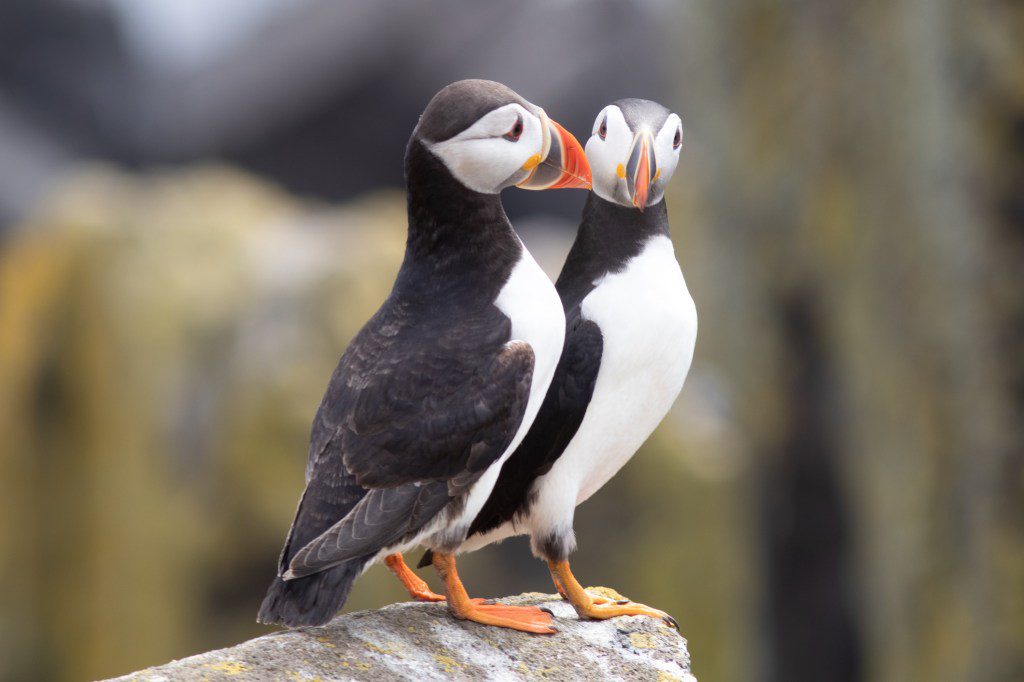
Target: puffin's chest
[[647, 318], [648, 326], [532, 305]]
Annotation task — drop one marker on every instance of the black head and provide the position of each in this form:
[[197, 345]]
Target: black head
[[459, 105], [489, 137]]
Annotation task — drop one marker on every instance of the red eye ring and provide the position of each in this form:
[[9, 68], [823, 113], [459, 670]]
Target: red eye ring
[[602, 130], [678, 139], [514, 134]]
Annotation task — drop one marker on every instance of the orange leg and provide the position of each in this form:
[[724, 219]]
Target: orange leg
[[597, 599], [416, 586], [524, 618], [598, 608]]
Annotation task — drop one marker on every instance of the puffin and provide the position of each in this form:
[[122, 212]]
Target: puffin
[[442, 383], [631, 327]]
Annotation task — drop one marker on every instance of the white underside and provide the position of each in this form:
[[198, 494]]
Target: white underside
[[649, 326], [530, 301]]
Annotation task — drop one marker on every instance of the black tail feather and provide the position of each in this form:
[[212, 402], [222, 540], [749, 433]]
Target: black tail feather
[[426, 559], [313, 600]]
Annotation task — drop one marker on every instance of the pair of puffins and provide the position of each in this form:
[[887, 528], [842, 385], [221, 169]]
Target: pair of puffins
[[482, 401]]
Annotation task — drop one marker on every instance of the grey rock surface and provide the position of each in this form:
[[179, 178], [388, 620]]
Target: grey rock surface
[[413, 641]]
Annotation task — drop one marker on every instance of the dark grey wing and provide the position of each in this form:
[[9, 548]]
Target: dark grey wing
[[394, 441], [382, 518], [556, 424], [456, 430]]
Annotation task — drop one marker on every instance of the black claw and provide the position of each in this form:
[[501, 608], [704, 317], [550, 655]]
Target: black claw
[[622, 602], [671, 622], [547, 610], [489, 602]]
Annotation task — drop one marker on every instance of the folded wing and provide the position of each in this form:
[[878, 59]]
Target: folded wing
[[406, 425]]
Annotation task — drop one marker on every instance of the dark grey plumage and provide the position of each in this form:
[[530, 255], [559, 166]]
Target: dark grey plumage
[[427, 395], [459, 104]]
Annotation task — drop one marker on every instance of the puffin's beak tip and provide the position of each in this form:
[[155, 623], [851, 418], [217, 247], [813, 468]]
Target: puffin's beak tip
[[565, 165], [575, 168]]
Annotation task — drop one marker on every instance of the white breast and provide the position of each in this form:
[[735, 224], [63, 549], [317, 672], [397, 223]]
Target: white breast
[[649, 326], [530, 301]]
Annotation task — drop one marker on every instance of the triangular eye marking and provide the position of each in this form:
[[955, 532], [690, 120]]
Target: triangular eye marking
[[516, 131]]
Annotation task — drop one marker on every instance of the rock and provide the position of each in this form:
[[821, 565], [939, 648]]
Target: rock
[[423, 642]]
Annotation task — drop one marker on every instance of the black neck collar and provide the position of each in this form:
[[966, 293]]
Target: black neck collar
[[609, 236]]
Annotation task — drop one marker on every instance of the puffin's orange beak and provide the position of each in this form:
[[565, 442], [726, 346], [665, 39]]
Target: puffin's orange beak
[[565, 165], [640, 169]]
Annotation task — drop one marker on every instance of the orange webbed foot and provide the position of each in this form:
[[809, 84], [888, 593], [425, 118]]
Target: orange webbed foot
[[484, 611], [600, 607], [610, 609], [523, 618]]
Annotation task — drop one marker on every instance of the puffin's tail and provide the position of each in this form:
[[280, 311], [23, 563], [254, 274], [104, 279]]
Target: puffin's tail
[[312, 600]]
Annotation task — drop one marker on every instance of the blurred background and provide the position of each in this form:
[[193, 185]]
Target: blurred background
[[200, 204]]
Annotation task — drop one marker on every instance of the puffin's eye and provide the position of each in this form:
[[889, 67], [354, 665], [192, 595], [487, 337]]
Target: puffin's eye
[[602, 131], [516, 131], [678, 139]]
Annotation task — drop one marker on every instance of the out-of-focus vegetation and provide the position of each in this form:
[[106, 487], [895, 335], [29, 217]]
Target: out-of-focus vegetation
[[853, 227], [165, 343], [837, 495]]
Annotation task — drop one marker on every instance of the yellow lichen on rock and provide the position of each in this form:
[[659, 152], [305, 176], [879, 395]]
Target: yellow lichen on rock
[[228, 667], [392, 649], [449, 664], [644, 640]]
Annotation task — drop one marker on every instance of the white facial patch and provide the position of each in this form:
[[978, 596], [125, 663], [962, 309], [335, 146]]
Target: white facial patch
[[666, 155], [607, 155], [483, 159]]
